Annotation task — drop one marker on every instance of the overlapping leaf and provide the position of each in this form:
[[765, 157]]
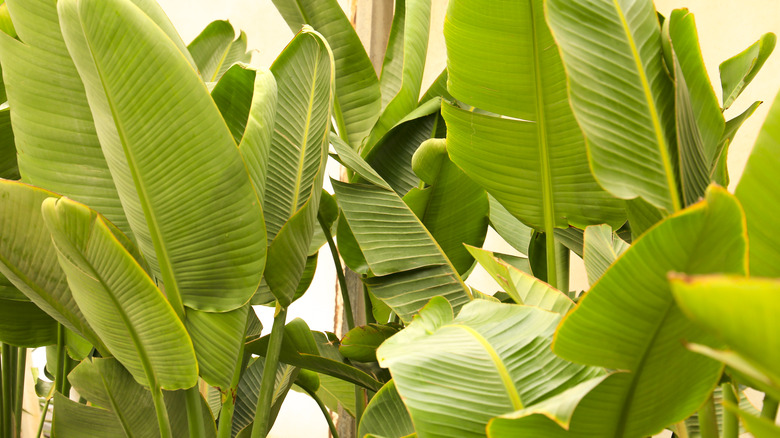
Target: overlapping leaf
[[699, 119], [214, 50], [171, 155], [487, 361], [533, 161], [119, 299], [738, 71], [453, 208], [622, 98], [29, 260], [386, 415], [759, 193], [357, 98], [304, 74], [408, 266], [640, 328], [601, 248]]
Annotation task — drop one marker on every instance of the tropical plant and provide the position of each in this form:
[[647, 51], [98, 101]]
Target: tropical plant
[[165, 189]]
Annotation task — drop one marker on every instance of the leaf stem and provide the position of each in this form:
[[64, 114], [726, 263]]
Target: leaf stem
[[552, 271], [339, 273], [333, 430], [769, 409], [265, 398], [7, 390], [360, 405], [730, 421], [59, 373], [159, 409], [21, 362], [194, 412], [708, 419], [681, 430], [43, 415], [367, 306], [229, 405]]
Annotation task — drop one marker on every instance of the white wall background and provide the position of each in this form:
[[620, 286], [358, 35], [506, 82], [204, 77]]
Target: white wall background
[[726, 27]]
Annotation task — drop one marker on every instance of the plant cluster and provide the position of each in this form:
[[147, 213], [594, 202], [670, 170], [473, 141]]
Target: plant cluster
[[154, 191]]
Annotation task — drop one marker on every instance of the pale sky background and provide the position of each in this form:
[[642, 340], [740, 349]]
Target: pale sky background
[[726, 27]]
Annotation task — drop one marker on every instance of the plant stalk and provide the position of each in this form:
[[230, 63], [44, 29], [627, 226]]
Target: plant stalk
[[552, 271], [333, 430], [225, 426], [708, 419], [43, 417], [263, 411], [194, 412], [339, 273], [160, 411], [8, 388], [730, 421], [21, 363], [769, 409], [59, 373], [360, 405], [367, 306]]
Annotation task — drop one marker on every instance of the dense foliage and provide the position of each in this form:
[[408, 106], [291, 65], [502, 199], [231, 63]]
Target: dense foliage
[[152, 192]]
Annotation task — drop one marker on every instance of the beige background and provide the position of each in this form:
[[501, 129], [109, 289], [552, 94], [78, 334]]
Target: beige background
[[726, 27]]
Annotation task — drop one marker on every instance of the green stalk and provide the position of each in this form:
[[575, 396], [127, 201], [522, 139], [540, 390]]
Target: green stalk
[[360, 404], [730, 421], [21, 362], [229, 404], [7, 390], [2, 397], [552, 272], [263, 412], [59, 373], [769, 410], [160, 411], [194, 412], [708, 420], [333, 431], [43, 417], [339, 273]]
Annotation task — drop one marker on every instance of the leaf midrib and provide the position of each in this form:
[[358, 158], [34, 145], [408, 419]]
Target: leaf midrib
[[304, 144], [503, 372], [660, 139]]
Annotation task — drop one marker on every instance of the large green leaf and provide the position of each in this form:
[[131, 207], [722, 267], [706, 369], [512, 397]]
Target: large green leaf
[[534, 162], [453, 208], [386, 415], [72, 417], [52, 123], [391, 156], [24, 324], [700, 122], [600, 250], [738, 71], [639, 328], [455, 374], [622, 97], [740, 312], [299, 147], [407, 50], [246, 97], [409, 267], [119, 299], [357, 99], [759, 193], [29, 260], [215, 51], [217, 339], [522, 286], [171, 155]]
